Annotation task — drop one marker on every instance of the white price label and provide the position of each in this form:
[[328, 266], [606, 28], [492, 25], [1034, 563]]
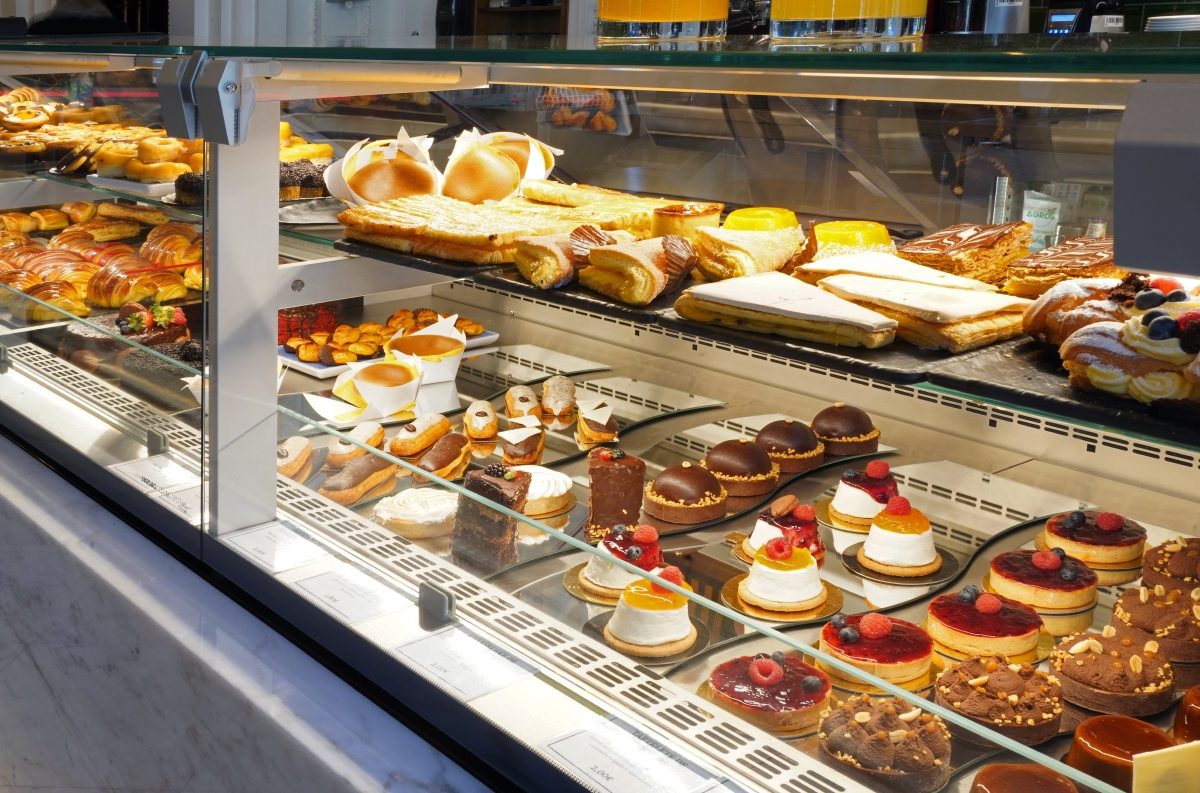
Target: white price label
[[185, 502], [150, 474], [1114, 21], [619, 758], [465, 661], [278, 547], [353, 594]]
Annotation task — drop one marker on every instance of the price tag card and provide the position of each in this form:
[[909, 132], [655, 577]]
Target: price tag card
[[465, 661], [353, 594], [618, 757], [157, 473], [1166, 769], [278, 547], [184, 502]]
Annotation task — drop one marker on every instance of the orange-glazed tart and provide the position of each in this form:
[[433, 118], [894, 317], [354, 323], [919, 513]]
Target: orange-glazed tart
[[651, 620], [777, 692], [783, 578], [860, 495], [891, 649], [900, 542], [1043, 579], [982, 624], [887, 744], [1104, 746]]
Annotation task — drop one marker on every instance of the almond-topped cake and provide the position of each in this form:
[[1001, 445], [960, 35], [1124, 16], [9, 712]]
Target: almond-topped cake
[[886, 647], [783, 578], [1015, 700], [1174, 564], [776, 692], [861, 495], [888, 744], [788, 518], [1168, 617], [1108, 673], [900, 542], [1043, 579], [650, 620], [637, 546], [983, 624]]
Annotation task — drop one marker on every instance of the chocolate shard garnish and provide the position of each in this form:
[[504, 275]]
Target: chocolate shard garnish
[[585, 238], [681, 259]]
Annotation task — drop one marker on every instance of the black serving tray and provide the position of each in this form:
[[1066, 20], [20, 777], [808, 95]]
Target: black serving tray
[[576, 296], [425, 263]]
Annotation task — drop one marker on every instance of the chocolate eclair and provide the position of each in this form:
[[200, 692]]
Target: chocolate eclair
[[742, 468], [447, 458], [845, 429], [357, 478], [526, 450], [685, 493], [792, 445]]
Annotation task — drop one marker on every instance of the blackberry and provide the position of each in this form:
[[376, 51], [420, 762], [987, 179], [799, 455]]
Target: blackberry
[[496, 470], [618, 454]]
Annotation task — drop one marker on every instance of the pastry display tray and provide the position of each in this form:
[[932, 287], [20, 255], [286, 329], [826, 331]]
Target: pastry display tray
[[424, 263], [576, 296]]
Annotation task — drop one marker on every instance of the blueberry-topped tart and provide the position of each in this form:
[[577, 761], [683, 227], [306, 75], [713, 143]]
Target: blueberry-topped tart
[[889, 648], [1043, 579], [792, 445], [743, 468], [1099, 539], [1174, 564], [685, 493], [977, 623], [887, 744], [845, 429], [861, 495], [1015, 700], [775, 692], [787, 517], [636, 545]]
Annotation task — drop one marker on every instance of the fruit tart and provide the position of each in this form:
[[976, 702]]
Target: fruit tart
[[969, 622], [1108, 673], [638, 546], [787, 517], [1015, 700], [1043, 579], [1101, 540], [1169, 618], [889, 648], [888, 744], [1174, 564], [775, 692]]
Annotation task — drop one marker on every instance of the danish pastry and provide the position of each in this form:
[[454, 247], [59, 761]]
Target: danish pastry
[[155, 172], [20, 280], [148, 215], [341, 452], [480, 421], [78, 241], [19, 221], [521, 401], [105, 230], [61, 295], [193, 277], [50, 219], [118, 283], [25, 120], [155, 150], [419, 434]]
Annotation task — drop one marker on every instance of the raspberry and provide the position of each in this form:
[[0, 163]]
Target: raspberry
[[874, 626], [604, 454], [765, 672], [1110, 521], [804, 512], [1188, 317], [779, 548], [898, 506], [1046, 560], [988, 604], [877, 469], [673, 575], [1165, 284], [645, 535]]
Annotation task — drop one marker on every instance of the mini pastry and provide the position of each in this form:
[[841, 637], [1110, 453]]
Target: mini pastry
[[638, 546], [734, 254], [1108, 673], [419, 434], [418, 513], [637, 272], [787, 518], [887, 744], [845, 429], [783, 578], [615, 484], [79, 211], [523, 444], [480, 422], [549, 491], [483, 539], [294, 458], [1038, 580], [521, 401], [742, 468], [1080, 257], [651, 621], [1098, 358], [546, 262], [142, 214], [1015, 700], [861, 495], [1020, 778], [357, 478], [982, 624], [685, 220], [558, 397], [1103, 747], [447, 458], [342, 452], [1070, 305], [1169, 617], [685, 493], [891, 649], [1098, 539], [982, 252], [776, 693], [1174, 564], [900, 542], [596, 423], [792, 445]]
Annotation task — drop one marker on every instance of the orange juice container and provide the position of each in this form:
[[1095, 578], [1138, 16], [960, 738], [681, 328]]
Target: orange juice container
[[852, 19], [662, 19]]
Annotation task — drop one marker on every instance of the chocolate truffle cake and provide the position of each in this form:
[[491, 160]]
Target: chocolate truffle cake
[[1108, 673], [615, 482], [792, 445], [887, 745], [845, 429], [1175, 564], [685, 493], [1169, 617], [743, 468], [1015, 700], [483, 539]]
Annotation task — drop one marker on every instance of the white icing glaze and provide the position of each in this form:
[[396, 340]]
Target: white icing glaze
[[362, 433], [849, 500], [516, 436], [882, 265], [544, 483], [784, 586], [516, 393], [525, 421], [931, 303], [423, 505], [479, 423], [776, 293], [901, 550], [600, 415]]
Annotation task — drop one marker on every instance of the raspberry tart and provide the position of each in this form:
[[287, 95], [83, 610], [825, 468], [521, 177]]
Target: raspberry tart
[[786, 517], [1043, 579], [900, 542], [792, 445], [1015, 700], [845, 429], [860, 496], [637, 546], [887, 745], [890, 649], [1175, 564], [1108, 673], [650, 620], [777, 693], [1169, 619], [783, 578], [1108, 543], [981, 624], [743, 468], [685, 493]]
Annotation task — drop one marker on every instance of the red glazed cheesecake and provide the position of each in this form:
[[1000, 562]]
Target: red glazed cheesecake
[[776, 692], [891, 649], [1170, 619], [743, 468], [1103, 537], [787, 517], [1043, 579], [1104, 746], [861, 495], [1108, 673], [982, 624], [1175, 564], [637, 546]]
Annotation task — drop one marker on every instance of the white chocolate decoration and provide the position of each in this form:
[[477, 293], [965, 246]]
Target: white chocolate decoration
[[599, 415], [526, 421], [516, 436]]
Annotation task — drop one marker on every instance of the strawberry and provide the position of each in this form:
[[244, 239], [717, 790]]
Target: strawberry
[[765, 672], [877, 469], [804, 512], [874, 626], [672, 574], [1187, 318], [178, 318], [779, 548], [1110, 521], [1165, 284], [644, 535], [604, 454], [1046, 560], [988, 604], [898, 506]]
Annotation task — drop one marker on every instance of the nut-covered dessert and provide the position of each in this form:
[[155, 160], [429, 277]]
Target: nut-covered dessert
[[845, 429], [1015, 700], [685, 493], [776, 692], [1174, 564], [889, 744], [1108, 673], [1168, 617], [792, 445], [743, 468]]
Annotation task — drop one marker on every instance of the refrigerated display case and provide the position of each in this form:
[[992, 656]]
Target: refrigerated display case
[[173, 362]]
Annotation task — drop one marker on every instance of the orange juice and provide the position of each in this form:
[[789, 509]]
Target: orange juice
[[846, 9], [663, 10]]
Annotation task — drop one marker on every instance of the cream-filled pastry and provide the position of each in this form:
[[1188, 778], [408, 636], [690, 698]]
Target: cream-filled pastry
[[639, 547], [860, 496], [651, 620], [900, 542], [548, 490], [418, 512], [480, 422], [783, 578]]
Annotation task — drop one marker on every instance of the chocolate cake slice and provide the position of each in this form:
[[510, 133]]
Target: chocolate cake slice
[[484, 540], [615, 480]]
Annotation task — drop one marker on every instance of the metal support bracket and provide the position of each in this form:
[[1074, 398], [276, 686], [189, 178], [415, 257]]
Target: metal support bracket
[[207, 97], [157, 443], [5, 361], [435, 605]]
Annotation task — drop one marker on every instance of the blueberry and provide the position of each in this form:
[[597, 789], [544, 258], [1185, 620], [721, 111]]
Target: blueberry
[[1177, 296], [1153, 314], [811, 683], [619, 529], [1067, 573], [968, 594], [634, 553], [1075, 520], [1148, 298], [1163, 328], [838, 621], [1059, 552], [848, 635], [849, 473], [778, 657]]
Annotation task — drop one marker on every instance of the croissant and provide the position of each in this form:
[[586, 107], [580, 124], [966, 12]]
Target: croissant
[[61, 296], [176, 228], [10, 239], [17, 256], [17, 281], [167, 285], [193, 277], [77, 273], [72, 240], [108, 252], [108, 230], [173, 250], [39, 263], [19, 221], [118, 283]]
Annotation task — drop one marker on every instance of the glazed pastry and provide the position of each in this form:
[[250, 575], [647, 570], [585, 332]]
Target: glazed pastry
[[447, 458], [546, 262], [20, 280], [861, 495], [521, 401], [1187, 718], [982, 624], [838, 238], [651, 621], [685, 493], [523, 445], [1098, 539], [783, 578], [155, 172], [294, 458], [419, 434], [1070, 305], [357, 478], [480, 422], [104, 230], [637, 272], [685, 220], [484, 540], [900, 542], [50, 219], [61, 295], [418, 513], [615, 484], [887, 744], [1036, 579], [79, 211], [342, 452], [742, 468], [792, 445], [19, 221], [636, 545], [549, 491], [889, 648], [982, 252], [1108, 673], [558, 397], [1019, 778], [845, 429], [142, 214], [1015, 700], [787, 518], [1103, 747], [1081, 257], [1173, 565], [885, 265], [733, 254], [776, 693], [1169, 617], [596, 423], [160, 149]]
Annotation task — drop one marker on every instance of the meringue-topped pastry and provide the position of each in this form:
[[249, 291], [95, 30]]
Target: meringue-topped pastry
[[900, 542], [637, 546], [418, 512], [787, 517], [651, 620], [548, 490], [860, 495], [783, 578]]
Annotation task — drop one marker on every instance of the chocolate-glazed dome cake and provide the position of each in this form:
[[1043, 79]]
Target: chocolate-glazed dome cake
[[792, 445], [845, 429], [743, 468], [685, 493]]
